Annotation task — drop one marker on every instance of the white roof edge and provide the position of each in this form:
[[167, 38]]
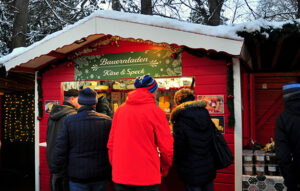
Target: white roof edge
[[126, 28]]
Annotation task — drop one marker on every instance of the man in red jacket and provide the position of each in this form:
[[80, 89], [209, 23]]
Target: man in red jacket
[[139, 129]]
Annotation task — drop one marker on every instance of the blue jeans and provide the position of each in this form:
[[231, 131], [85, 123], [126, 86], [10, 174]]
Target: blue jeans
[[207, 187], [92, 186]]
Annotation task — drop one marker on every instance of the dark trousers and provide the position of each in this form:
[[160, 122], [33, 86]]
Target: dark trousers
[[92, 186], [59, 183], [123, 187], [207, 187]]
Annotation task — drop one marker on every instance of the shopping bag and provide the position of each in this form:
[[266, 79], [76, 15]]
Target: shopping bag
[[223, 156]]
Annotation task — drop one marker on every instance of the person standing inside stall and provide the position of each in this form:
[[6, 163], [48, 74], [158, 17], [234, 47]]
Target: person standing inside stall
[[287, 137], [81, 145], [54, 125], [139, 129], [103, 106], [193, 144]]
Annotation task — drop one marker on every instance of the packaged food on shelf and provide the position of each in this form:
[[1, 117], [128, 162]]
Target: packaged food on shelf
[[272, 169], [259, 157], [271, 158], [248, 156], [260, 169], [248, 169], [164, 103]]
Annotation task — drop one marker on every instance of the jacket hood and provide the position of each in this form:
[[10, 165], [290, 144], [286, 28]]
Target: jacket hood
[[292, 105], [140, 96], [186, 109], [59, 111]]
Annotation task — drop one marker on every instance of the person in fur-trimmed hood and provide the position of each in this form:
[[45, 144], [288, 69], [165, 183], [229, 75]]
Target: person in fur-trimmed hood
[[193, 144]]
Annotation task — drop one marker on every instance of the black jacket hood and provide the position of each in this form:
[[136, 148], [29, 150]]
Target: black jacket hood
[[193, 113], [59, 111]]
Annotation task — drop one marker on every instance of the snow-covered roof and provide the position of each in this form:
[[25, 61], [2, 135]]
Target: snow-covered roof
[[128, 25]]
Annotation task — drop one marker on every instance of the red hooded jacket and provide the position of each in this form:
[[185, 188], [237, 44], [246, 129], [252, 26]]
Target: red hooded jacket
[[138, 128]]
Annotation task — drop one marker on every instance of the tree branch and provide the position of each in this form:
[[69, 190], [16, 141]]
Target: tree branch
[[56, 15]]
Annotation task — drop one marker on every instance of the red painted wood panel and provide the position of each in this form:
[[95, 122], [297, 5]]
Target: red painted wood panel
[[210, 79], [268, 104]]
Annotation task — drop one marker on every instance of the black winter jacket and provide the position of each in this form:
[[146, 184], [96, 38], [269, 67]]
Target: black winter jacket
[[287, 142], [193, 146], [81, 144], [103, 106], [55, 123]]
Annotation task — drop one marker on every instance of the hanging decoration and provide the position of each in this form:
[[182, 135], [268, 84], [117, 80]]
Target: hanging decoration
[[40, 96], [18, 117], [113, 41], [230, 96]]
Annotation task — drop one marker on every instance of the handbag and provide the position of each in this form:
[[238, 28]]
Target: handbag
[[223, 156]]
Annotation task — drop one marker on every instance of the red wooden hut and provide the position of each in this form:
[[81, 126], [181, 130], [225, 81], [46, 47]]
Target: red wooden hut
[[210, 55]]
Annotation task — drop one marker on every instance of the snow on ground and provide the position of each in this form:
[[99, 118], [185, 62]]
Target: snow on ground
[[223, 31]]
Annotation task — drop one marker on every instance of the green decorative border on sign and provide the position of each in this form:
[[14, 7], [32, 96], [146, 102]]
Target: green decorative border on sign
[[157, 63]]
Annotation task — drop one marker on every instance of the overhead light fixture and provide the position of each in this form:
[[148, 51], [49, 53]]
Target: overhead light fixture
[[81, 41]]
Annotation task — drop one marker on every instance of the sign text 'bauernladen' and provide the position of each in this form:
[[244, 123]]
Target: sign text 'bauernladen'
[[157, 63]]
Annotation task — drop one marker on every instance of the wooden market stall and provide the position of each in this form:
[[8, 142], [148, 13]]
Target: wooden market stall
[[109, 49], [272, 60]]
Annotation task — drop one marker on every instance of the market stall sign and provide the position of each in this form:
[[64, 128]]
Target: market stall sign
[[156, 63]]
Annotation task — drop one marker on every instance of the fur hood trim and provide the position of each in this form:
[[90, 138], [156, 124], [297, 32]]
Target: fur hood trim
[[184, 106]]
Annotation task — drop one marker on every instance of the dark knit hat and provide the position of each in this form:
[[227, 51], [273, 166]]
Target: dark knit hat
[[146, 81], [87, 96], [290, 89], [71, 93]]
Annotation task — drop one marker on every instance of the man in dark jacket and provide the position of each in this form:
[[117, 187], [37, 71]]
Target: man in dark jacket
[[55, 122], [287, 137], [193, 144], [81, 145]]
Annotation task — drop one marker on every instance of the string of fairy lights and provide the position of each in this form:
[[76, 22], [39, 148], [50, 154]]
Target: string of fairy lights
[[18, 117]]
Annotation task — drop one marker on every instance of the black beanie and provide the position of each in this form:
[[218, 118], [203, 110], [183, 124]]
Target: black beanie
[[87, 96]]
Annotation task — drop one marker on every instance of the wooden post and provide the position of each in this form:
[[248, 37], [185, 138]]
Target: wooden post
[[238, 134], [36, 137]]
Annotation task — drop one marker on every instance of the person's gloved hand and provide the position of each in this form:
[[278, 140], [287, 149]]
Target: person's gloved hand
[[55, 178], [164, 172]]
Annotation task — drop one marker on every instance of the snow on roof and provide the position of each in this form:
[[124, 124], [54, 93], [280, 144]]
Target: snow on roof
[[222, 31]]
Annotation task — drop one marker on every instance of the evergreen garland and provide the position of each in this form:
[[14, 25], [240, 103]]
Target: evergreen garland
[[230, 95], [40, 95]]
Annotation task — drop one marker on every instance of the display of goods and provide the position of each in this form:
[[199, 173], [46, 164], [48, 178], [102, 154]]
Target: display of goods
[[248, 156], [248, 169], [259, 157], [260, 169], [272, 169], [271, 158], [164, 103]]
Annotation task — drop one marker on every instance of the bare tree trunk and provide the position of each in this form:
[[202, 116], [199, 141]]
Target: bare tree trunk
[[20, 23], [298, 12], [116, 5], [146, 7], [215, 7]]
